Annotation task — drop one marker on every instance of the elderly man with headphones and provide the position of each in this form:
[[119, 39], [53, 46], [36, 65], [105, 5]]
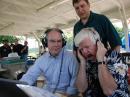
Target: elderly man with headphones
[[101, 73], [57, 65]]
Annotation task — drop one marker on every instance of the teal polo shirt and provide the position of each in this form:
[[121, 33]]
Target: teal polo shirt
[[103, 26]]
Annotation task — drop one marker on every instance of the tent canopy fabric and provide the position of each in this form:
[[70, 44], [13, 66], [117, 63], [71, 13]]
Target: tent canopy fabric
[[29, 17]]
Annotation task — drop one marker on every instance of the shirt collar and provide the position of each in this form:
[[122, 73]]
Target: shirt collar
[[58, 56]]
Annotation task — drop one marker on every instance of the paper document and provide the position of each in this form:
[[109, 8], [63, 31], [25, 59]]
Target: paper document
[[35, 91]]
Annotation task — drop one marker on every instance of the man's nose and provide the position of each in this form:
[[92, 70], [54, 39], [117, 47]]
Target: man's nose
[[80, 9], [57, 43], [86, 51]]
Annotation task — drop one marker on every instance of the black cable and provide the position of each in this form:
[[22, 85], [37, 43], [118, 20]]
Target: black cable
[[59, 73]]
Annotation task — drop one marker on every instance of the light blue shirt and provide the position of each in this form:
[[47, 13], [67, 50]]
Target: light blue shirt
[[60, 72]]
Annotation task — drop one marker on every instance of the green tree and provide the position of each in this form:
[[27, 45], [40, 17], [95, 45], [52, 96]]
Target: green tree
[[69, 36], [69, 43], [9, 38], [120, 31]]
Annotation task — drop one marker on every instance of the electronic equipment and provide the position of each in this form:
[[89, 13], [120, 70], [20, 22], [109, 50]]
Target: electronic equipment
[[8, 88]]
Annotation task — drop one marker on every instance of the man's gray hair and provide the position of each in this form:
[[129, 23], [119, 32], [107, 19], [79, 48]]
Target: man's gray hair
[[84, 33]]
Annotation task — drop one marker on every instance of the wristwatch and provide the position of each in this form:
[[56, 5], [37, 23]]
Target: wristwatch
[[101, 62]]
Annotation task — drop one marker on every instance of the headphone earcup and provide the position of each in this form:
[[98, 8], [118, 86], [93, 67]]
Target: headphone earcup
[[63, 42], [44, 42]]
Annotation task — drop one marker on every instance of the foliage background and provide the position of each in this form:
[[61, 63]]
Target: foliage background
[[9, 38]]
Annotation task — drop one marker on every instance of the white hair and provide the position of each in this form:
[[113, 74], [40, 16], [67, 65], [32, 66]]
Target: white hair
[[84, 33]]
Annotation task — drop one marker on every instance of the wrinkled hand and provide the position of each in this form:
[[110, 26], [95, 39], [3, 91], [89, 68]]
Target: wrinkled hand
[[80, 56], [101, 51]]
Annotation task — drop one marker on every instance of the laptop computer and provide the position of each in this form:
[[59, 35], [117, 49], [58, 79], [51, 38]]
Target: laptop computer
[[8, 88]]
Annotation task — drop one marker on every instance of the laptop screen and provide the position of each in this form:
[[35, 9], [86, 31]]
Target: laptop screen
[[8, 88]]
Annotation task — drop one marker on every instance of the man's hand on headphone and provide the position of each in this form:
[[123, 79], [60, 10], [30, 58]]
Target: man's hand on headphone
[[80, 56], [101, 51]]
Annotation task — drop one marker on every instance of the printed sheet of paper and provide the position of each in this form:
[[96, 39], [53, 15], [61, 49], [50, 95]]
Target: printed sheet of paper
[[35, 91]]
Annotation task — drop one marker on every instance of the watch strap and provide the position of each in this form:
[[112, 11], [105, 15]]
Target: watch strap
[[101, 62]]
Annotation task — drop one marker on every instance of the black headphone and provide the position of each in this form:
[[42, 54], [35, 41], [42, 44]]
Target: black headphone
[[45, 37]]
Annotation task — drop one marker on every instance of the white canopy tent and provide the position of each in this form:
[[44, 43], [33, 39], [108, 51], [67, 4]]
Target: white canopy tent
[[32, 17]]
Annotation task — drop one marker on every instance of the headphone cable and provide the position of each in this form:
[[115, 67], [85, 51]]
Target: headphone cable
[[60, 72]]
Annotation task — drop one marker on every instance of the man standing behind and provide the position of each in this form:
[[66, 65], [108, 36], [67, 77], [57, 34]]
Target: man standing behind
[[24, 51], [17, 47], [5, 49], [100, 23], [57, 65]]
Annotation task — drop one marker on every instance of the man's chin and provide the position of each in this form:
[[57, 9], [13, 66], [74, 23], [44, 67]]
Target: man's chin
[[83, 17], [90, 58], [56, 53]]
